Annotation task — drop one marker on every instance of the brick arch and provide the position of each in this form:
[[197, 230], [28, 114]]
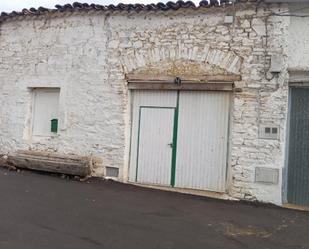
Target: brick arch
[[226, 60]]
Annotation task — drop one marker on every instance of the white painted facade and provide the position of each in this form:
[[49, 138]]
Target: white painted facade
[[299, 38], [87, 56]]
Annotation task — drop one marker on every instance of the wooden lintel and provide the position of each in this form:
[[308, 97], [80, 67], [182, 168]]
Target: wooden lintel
[[183, 86], [299, 77], [134, 78]]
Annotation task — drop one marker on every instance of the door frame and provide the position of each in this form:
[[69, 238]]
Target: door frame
[[286, 151]]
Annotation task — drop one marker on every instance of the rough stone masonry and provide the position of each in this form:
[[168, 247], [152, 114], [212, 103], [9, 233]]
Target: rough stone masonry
[[88, 53]]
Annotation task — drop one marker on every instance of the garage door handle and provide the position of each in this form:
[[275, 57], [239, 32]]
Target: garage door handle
[[171, 144]]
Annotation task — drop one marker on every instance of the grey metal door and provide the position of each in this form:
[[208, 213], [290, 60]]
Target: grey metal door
[[298, 160]]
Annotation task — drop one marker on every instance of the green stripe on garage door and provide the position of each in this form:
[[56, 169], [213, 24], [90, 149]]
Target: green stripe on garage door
[[175, 133]]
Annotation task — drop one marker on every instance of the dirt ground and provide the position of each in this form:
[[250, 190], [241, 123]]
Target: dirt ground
[[39, 211]]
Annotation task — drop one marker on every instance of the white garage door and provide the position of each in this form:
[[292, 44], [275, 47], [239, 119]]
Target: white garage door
[[202, 140], [180, 138]]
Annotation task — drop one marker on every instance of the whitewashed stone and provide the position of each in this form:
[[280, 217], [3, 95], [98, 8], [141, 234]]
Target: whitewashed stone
[[258, 25]]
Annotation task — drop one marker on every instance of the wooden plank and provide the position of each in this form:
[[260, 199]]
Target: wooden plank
[[185, 79], [52, 155], [184, 86], [299, 78]]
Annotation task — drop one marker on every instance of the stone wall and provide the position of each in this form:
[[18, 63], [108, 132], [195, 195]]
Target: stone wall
[[88, 55], [262, 102]]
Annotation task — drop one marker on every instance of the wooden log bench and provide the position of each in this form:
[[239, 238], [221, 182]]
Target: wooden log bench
[[50, 162]]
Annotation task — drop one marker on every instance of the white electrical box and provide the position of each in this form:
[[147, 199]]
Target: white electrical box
[[269, 132], [266, 175], [276, 63]]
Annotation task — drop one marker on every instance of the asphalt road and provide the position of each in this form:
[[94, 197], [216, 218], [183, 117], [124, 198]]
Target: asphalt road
[[46, 212]]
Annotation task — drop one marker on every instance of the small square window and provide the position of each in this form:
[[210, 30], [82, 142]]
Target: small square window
[[267, 130]]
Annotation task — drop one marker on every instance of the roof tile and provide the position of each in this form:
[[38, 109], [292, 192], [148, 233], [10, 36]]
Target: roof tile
[[120, 7]]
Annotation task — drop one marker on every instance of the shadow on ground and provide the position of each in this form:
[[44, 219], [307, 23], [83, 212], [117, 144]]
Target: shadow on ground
[[45, 212]]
